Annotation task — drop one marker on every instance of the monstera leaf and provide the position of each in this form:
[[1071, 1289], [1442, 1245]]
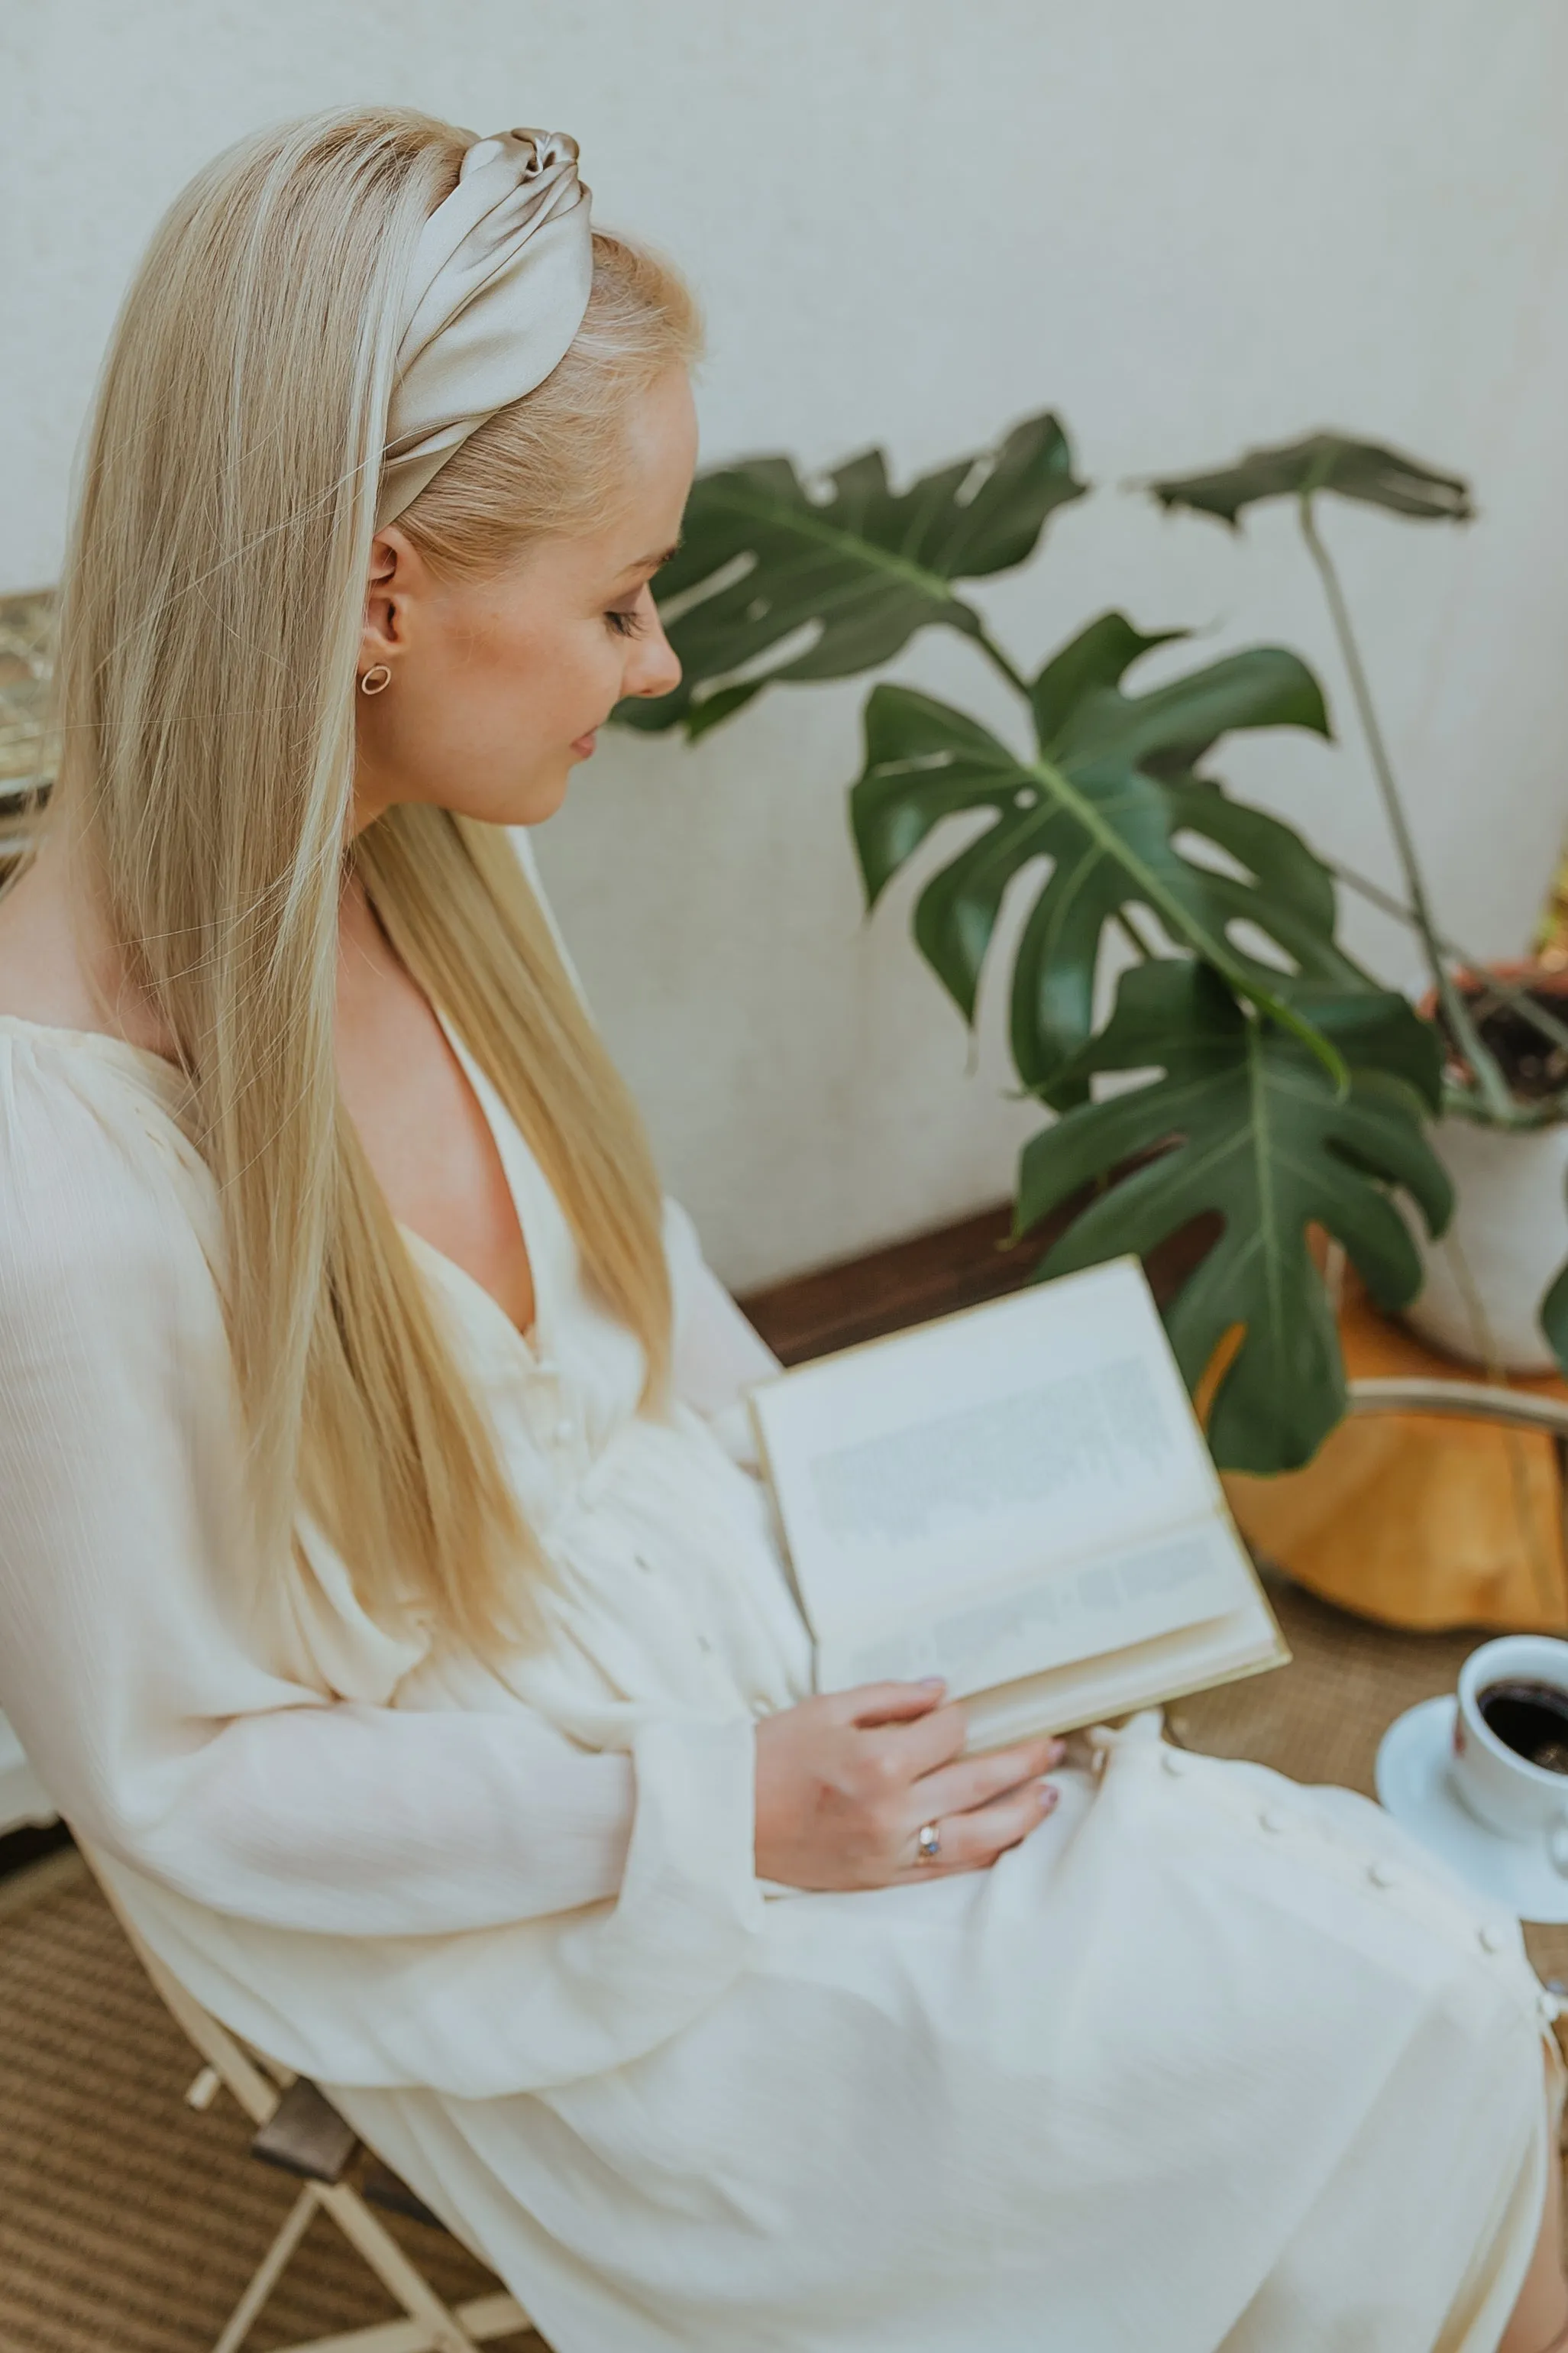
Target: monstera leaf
[[859, 570], [1554, 1316], [1324, 461], [1243, 1121], [1106, 803]]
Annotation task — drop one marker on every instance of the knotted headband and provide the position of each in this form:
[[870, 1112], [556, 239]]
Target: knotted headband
[[497, 290]]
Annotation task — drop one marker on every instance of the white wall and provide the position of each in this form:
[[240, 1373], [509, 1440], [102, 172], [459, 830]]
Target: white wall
[[1187, 227]]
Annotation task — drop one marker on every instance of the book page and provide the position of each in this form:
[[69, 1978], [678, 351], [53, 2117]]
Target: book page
[[1061, 1615], [1245, 1641], [930, 1480], [978, 1461]]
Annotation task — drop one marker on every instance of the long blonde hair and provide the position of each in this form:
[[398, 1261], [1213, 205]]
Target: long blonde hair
[[209, 630]]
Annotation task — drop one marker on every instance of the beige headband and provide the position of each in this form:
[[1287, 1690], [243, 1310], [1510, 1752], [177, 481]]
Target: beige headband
[[498, 288]]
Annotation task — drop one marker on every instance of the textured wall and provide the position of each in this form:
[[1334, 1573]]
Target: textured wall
[[1187, 227]]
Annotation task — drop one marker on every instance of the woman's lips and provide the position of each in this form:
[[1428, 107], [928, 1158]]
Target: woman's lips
[[582, 745]]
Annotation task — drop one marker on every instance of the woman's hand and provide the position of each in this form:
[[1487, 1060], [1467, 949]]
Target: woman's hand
[[845, 1783]]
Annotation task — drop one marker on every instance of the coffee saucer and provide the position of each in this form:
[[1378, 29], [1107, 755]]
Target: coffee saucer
[[1413, 1786]]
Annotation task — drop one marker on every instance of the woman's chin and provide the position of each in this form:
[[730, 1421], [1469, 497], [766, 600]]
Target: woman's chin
[[527, 803]]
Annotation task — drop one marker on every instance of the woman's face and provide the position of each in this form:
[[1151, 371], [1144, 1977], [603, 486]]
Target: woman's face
[[499, 684]]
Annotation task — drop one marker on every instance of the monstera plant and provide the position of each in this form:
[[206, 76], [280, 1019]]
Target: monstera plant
[[1274, 1082]]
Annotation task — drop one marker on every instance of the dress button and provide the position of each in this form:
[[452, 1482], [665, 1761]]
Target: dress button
[[1381, 1876], [1270, 1818], [1174, 1762], [705, 1646], [563, 1430], [547, 1366], [1493, 1940]]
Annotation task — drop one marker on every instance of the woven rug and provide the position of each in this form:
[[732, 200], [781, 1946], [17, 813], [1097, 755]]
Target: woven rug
[[129, 2224]]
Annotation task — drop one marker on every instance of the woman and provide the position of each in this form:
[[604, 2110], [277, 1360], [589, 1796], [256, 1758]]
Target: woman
[[381, 1594]]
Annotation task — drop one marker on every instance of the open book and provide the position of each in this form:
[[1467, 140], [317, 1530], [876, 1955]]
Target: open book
[[1019, 1498]]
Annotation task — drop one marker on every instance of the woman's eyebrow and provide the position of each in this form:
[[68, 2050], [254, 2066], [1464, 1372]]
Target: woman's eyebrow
[[652, 562]]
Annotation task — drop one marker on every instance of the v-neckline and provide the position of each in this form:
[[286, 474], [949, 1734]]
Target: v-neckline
[[513, 1152], [166, 1081]]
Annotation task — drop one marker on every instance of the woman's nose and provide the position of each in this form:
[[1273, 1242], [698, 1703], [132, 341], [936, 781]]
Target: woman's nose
[[655, 666]]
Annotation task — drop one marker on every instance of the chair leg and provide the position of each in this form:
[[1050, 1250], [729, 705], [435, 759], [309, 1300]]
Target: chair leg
[[387, 2259], [431, 2326], [486, 2318], [268, 2272]]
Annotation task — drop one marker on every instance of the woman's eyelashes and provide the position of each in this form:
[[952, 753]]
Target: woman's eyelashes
[[625, 620]]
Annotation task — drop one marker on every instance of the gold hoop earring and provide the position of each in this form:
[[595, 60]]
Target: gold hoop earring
[[376, 680]]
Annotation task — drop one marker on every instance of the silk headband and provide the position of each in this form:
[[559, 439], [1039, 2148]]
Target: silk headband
[[497, 290]]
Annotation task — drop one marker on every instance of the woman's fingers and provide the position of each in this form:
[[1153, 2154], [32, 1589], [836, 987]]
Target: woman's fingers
[[958, 1788], [970, 1841], [911, 1752], [873, 1704]]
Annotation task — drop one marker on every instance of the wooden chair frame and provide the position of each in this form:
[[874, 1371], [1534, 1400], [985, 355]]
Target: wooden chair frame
[[430, 2326]]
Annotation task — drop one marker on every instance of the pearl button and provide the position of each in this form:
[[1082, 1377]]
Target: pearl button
[[1174, 1762], [1492, 1939], [1271, 1820], [547, 1366], [563, 1430], [1380, 1875]]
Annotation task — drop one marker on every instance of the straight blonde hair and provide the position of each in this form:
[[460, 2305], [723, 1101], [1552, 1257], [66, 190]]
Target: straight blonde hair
[[210, 626]]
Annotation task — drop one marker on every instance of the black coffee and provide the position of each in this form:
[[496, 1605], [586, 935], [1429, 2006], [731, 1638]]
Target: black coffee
[[1532, 1719]]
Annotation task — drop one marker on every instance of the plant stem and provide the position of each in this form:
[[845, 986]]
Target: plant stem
[[1545, 1024], [1489, 1077], [994, 653]]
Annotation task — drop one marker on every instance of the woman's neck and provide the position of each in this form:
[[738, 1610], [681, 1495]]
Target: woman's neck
[[59, 966], [58, 963]]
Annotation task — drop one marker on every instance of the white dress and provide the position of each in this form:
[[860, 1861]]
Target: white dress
[[1212, 2061]]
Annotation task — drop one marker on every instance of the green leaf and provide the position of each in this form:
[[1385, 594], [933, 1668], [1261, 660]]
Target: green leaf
[[1554, 1316], [1245, 1125], [1175, 725], [1091, 810], [1092, 664], [1367, 470], [857, 572], [1379, 1029]]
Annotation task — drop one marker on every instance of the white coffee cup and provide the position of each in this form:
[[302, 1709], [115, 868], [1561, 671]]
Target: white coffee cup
[[1504, 1791]]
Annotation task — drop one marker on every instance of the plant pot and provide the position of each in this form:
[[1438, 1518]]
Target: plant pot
[[1486, 1278]]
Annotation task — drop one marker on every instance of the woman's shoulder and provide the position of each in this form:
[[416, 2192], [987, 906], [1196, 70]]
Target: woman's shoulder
[[96, 1178]]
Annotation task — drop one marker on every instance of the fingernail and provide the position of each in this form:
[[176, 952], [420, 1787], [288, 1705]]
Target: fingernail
[[1057, 1750], [932, 1682], [1050, 1797]]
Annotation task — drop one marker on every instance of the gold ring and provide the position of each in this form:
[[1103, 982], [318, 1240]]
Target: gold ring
[[928, 1843]]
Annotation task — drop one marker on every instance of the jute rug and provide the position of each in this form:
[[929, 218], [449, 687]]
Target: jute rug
[[129, 2224]]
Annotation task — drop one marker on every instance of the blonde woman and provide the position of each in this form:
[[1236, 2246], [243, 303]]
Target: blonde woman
[[381, 1594]]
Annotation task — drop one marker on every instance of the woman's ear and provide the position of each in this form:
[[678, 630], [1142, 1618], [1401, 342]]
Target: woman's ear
[[393, 585]]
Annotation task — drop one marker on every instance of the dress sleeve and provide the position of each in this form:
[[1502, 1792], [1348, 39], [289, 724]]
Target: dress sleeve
[[162, 1728]]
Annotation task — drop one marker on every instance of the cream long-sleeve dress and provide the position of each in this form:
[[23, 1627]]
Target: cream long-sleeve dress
[[1211, 2062]]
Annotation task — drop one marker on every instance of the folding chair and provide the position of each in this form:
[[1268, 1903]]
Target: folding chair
[[299, 2130]]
